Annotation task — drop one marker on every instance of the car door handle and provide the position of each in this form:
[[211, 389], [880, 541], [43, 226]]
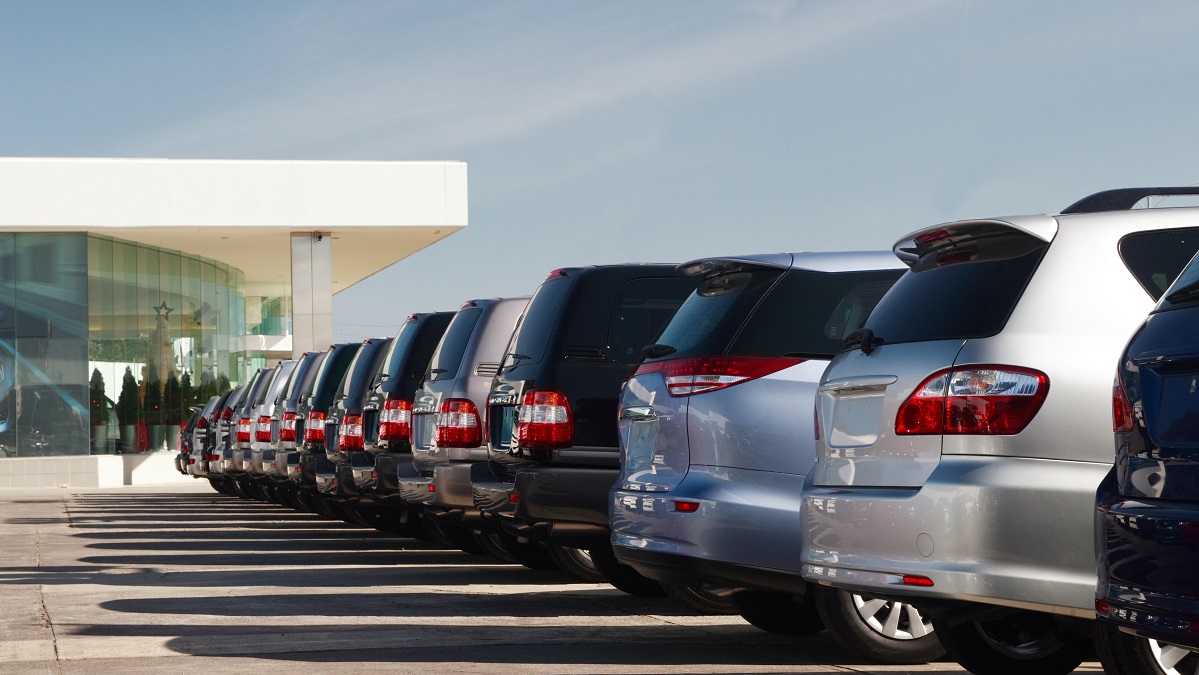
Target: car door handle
[[638, 413]]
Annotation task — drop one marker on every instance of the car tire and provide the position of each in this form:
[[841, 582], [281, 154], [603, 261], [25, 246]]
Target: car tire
[[885, 631], [1120, 652], [695, 598], [779, 613], [452, 536], [1028, 643], [510, 549], [577, 562], [622, 576]]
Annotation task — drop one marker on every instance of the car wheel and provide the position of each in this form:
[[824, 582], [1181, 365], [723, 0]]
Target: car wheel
[[1120, 652], [1029, 643], [779, 613], [622, 576], [694, 597], [531, 555], [578, 562], [451, 536], [887, 631]]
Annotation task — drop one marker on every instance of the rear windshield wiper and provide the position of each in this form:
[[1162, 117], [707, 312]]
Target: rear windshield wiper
[[863, 339], [1188, 292], [657, 351]]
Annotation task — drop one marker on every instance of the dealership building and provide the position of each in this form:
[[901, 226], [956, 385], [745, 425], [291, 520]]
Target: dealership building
[[178, 277]]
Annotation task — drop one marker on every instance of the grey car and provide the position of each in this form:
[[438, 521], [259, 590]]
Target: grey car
[[963, 432], [448, 415], [714, 454]]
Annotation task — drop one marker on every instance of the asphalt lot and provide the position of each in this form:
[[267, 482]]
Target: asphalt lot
[[182, 579]]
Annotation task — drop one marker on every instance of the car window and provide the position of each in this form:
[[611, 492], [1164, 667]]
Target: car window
[[449, 353], [1155, 258], [959, 292], [808, 314], [707, 321], [533, 328], [642, 309]]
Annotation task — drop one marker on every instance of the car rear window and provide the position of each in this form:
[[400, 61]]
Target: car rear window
[[959, 292], [642, 309], [772, 312], [1156, 258], [399, 347], [449, 353], [363, 368], [533, 329]]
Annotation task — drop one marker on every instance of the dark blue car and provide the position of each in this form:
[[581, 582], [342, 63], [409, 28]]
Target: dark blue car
[[1147, 509]]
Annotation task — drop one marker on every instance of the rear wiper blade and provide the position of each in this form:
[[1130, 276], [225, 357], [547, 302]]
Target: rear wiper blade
[[519, 357], [863, 339], [437, 371], [1188, 292], [657, 351]]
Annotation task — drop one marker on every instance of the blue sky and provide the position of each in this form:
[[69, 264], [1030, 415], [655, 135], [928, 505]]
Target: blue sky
[[599, 132]]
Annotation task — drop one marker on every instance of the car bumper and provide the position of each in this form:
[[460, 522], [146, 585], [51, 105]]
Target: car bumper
[[1006, 531], [743, 525], [562, 505]]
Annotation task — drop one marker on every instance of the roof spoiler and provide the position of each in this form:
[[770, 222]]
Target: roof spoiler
[[1123, 199]]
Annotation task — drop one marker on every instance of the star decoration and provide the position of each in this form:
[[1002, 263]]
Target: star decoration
[[163, 311]]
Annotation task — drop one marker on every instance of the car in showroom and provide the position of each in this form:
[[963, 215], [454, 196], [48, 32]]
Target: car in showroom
[[963, 431]]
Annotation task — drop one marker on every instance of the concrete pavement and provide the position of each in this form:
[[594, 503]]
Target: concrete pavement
[[182, 579]]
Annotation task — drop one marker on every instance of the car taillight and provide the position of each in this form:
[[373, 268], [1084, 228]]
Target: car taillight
[[314, 428], [202, 423], [212, 458], [287, 427], [543, 421], [457, 425], [697, 375], [395, 421], [349, 435], [262, 431], [227, 414], [986, 400], [1121, 407], [243, 430]]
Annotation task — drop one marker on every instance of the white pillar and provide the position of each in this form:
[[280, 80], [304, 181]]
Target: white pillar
[[311, 292]]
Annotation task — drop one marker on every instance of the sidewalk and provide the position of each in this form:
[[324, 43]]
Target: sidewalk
[[178, 578]]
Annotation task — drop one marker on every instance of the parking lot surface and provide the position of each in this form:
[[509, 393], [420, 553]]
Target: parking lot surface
[[182, 579]]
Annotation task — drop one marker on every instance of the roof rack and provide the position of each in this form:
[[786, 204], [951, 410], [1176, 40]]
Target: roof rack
[[1123, 199]]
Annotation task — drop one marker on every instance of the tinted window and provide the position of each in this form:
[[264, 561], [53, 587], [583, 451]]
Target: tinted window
[[809, 313], [954, 296], [399, 347], [533, 329], [1156, 258], [642, 309], [706, 322], [363, 368], [453, 344]]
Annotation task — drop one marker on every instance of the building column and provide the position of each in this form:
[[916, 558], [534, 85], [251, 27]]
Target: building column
[[311, 292]]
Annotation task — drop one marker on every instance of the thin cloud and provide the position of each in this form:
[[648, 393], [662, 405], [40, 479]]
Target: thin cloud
[[419, 112]]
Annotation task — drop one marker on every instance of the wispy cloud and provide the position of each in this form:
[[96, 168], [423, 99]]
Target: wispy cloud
[[418, 107]]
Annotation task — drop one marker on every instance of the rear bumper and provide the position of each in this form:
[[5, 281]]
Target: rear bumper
[[744, 529], [1148, 552], [1005, 531], [562, 505]]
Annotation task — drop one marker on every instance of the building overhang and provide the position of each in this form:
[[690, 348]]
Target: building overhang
[[243, 212]]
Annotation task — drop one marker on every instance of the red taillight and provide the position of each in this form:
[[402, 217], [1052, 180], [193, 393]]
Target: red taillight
[[227, 414], [395, 420], [458, 424], [212, 458], [314, 428], [202, 423], [1121, 407], [685, 377], [1103, 608], [191, 460], [262, 430], [287, 427], [915, 580], [513, 497], [686, 507], [243, 430], [349, 434], [984, 400], [544, 421]]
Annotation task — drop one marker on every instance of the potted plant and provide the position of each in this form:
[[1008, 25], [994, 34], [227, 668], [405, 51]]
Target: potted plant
[[97, 413], [129, 412], [172, 416]]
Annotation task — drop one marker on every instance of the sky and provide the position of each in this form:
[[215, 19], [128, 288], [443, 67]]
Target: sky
[[627, 131]]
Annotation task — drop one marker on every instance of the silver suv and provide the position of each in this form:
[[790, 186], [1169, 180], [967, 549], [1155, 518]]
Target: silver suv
[[962, 434]]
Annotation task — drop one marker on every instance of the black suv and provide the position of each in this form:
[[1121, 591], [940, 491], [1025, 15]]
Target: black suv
[[310, 419], [552, 442]]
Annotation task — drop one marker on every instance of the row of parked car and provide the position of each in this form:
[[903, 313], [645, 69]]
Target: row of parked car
[[911, 450]]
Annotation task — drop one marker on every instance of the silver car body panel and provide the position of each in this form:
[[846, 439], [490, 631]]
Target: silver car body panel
[[1001, 519], [740, 453]]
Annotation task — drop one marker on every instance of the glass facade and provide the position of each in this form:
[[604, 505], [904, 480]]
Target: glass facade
[[106, 344]]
